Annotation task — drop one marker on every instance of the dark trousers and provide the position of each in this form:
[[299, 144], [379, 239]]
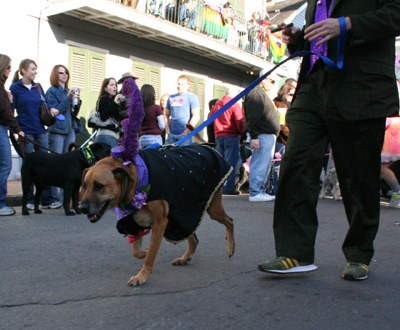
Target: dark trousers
[[314, 121]]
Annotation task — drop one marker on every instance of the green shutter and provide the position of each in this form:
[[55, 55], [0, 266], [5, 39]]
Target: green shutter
[[87, 71], [147, 74], [219, 92], [197, 86], [238, 8]]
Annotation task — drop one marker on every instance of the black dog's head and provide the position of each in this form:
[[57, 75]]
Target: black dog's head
[[100, 150]]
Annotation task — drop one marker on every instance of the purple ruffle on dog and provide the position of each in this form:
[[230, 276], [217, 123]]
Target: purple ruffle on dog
[[131, 125]]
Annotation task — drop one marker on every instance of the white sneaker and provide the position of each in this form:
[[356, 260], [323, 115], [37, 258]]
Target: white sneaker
[[7, 210], [30, 206], [54, 205], [262, 197]]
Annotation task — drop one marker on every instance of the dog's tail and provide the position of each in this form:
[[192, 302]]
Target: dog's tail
[[72, 146]]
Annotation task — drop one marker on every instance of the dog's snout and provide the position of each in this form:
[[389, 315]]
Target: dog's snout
[[84, 207]]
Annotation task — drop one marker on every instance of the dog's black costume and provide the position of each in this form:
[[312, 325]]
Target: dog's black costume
[[187, 178]]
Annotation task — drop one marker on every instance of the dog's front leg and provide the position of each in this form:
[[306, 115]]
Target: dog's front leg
[[67, 198], [159, 212], [137, 248], [75, 198]]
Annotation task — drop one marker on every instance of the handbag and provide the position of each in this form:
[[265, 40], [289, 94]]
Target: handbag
[[95, 121], [46, 117]]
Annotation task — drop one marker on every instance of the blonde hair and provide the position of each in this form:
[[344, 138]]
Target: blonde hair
[[23, 65]]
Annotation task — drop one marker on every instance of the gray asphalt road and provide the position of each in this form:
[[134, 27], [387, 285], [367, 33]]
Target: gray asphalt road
[[61, 272]]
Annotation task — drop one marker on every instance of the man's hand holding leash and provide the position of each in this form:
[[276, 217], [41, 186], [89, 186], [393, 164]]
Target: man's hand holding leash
[[327, 29]]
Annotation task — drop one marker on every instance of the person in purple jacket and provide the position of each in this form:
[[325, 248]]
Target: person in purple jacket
[[27, 100]]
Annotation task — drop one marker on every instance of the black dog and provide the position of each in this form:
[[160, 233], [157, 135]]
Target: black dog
[[64, 171]]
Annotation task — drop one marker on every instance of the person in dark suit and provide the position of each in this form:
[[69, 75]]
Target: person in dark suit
[[346, 108]]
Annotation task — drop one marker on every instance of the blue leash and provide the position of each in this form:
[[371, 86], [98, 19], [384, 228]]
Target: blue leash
[[329, 62]]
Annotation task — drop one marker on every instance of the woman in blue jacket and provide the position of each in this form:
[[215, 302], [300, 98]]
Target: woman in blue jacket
[[62, 133], [27, 100]]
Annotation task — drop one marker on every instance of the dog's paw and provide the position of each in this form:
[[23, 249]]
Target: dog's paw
[[69, 213], [77, 211], [25, 212], [38, 211], [137, 280], [180, 261]]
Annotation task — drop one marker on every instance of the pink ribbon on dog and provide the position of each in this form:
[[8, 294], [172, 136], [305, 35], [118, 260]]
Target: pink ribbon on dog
[[132, 238]]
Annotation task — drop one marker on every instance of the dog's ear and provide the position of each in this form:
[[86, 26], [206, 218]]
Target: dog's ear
[[122, 172], [84, 173], [100, 150]]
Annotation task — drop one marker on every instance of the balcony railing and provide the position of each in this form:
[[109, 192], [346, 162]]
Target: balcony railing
[[212, 19]]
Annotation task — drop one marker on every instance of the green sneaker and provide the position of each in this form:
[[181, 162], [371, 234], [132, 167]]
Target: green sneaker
[[394, 200], [355, 271], [284, 265]]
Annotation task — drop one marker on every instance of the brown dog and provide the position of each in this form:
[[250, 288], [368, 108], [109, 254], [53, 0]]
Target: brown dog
[[108, 183]]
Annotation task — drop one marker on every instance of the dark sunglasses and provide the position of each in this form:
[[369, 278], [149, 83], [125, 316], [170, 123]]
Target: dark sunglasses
[[62, 72], [9, 67], [291, 94]]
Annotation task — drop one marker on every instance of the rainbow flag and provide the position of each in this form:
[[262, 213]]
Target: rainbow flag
[[278, 48]]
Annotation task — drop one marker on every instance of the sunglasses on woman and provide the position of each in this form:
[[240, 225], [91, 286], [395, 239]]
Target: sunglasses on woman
[[62, 72]]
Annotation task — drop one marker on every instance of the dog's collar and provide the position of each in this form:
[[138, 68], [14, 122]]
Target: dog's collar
[[88, 154]]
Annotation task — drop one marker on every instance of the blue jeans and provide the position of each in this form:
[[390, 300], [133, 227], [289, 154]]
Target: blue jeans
[[192, 20], [146, 140], [255, 45], [260, 163], [42, 140], [228, 147], [157, 8], [59, 143], [110, 140], [172, 138], [5, 163]]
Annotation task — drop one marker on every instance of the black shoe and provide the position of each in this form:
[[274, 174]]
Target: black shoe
[[232, 193]]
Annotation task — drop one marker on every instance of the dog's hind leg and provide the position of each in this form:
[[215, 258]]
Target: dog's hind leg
[[217, 212], [26, 183], [192, 245], [39, 189], [137, 250]]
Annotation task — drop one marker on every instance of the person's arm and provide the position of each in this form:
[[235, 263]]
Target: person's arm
[[161, 122], [107, 108], [167, 113], [294, 38], [6, 114], [372, 26], [254, 107], [239, 120], [61, 102], [194, 120]]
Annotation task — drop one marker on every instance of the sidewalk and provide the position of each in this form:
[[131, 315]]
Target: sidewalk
[[14, 193]]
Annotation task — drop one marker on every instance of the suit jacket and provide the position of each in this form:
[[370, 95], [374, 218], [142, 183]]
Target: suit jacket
[[366, 87]]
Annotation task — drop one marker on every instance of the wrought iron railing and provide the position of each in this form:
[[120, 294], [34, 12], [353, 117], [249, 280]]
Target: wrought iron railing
[[213, 20]]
